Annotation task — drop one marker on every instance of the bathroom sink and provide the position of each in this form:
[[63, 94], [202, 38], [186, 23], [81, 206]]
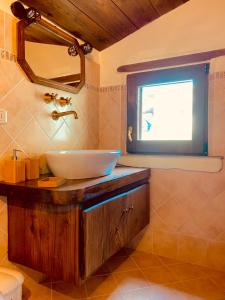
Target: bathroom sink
[[80, 164]]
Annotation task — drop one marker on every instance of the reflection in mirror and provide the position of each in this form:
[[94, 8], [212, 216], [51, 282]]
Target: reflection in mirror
[[47, 54]]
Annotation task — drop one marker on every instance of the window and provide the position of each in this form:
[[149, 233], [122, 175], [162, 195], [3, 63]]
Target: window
[[167, 111]]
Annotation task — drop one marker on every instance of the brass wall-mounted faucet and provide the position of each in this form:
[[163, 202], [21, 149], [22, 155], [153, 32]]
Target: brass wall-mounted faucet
[[56, 115]]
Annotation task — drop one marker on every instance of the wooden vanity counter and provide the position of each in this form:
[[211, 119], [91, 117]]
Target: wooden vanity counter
[[82, 191], [70, 231]]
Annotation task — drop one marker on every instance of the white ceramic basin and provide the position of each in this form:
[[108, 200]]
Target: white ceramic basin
[[78, 164]]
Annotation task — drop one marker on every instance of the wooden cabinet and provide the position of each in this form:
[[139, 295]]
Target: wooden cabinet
[[69, 232], [110, 225]]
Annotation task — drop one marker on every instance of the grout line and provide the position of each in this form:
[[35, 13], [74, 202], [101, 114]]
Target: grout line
[[7, 146], [12, 89], [167, 267], [60, 127], [19, 132], [141, 270]]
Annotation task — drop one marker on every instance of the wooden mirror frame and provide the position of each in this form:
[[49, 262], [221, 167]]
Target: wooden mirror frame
[[21, 26]]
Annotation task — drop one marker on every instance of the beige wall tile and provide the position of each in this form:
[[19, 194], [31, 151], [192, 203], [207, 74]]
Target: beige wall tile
[[4, 139], [2, 29], [4, 219], [92, 73], [111, 118], [3, 245], [10, 33], [165, 243], [192, 250]]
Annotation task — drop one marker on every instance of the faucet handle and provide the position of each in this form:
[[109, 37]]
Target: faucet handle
[[48, 98], [65, 101]]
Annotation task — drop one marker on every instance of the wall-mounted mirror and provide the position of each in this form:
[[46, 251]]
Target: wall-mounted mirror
[[50, 56]]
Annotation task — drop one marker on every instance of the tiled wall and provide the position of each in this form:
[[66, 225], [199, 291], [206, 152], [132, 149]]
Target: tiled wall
[[30, 127], [187, 208], [112, 120]]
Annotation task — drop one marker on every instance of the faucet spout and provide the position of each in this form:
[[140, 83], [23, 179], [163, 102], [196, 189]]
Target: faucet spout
[[56, 115]]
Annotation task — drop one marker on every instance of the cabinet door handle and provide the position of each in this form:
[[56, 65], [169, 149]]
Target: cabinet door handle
[[125, 211], [131, 207]]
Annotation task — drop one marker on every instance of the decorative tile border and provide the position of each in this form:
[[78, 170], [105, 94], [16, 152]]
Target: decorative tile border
[[4, 54], [113, 88], [7, 55], [217, 75]]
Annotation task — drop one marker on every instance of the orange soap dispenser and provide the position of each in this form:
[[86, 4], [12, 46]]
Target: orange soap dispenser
[[14, 169]]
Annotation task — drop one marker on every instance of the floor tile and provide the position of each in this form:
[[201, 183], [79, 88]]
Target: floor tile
[[168, 261], [113, 296], [218, 278], [127, 281], [34, 291], [159, 274], [185, 271], [140, 294], [100, 285], [173, 291], [103, 270], [125, 252], [134, 276], [146, 260], [62, 290], [203, 288], [121, 264]]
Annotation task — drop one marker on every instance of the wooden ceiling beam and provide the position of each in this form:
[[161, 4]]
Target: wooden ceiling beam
[[107, 15], [164, 6], [66, 15], [102, 22], [140, 12]]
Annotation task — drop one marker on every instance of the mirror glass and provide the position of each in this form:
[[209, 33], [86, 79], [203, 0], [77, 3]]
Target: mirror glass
[[47, 54]]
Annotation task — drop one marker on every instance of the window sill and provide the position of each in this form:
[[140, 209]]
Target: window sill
[[190, 163]]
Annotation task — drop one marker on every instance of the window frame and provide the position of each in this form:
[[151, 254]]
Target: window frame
[[199, 143]]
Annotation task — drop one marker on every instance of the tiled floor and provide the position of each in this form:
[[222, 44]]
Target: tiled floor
[[137, 276]]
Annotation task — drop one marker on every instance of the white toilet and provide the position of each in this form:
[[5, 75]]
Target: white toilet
[[10, 284]]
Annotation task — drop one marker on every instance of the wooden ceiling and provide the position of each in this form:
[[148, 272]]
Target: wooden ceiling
[[102, 22]]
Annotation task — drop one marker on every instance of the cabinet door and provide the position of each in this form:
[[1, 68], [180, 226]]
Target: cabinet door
[[110, 225], [138, 211]]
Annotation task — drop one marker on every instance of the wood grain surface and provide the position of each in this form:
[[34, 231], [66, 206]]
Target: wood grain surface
[[102, 22], [83, 191]]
